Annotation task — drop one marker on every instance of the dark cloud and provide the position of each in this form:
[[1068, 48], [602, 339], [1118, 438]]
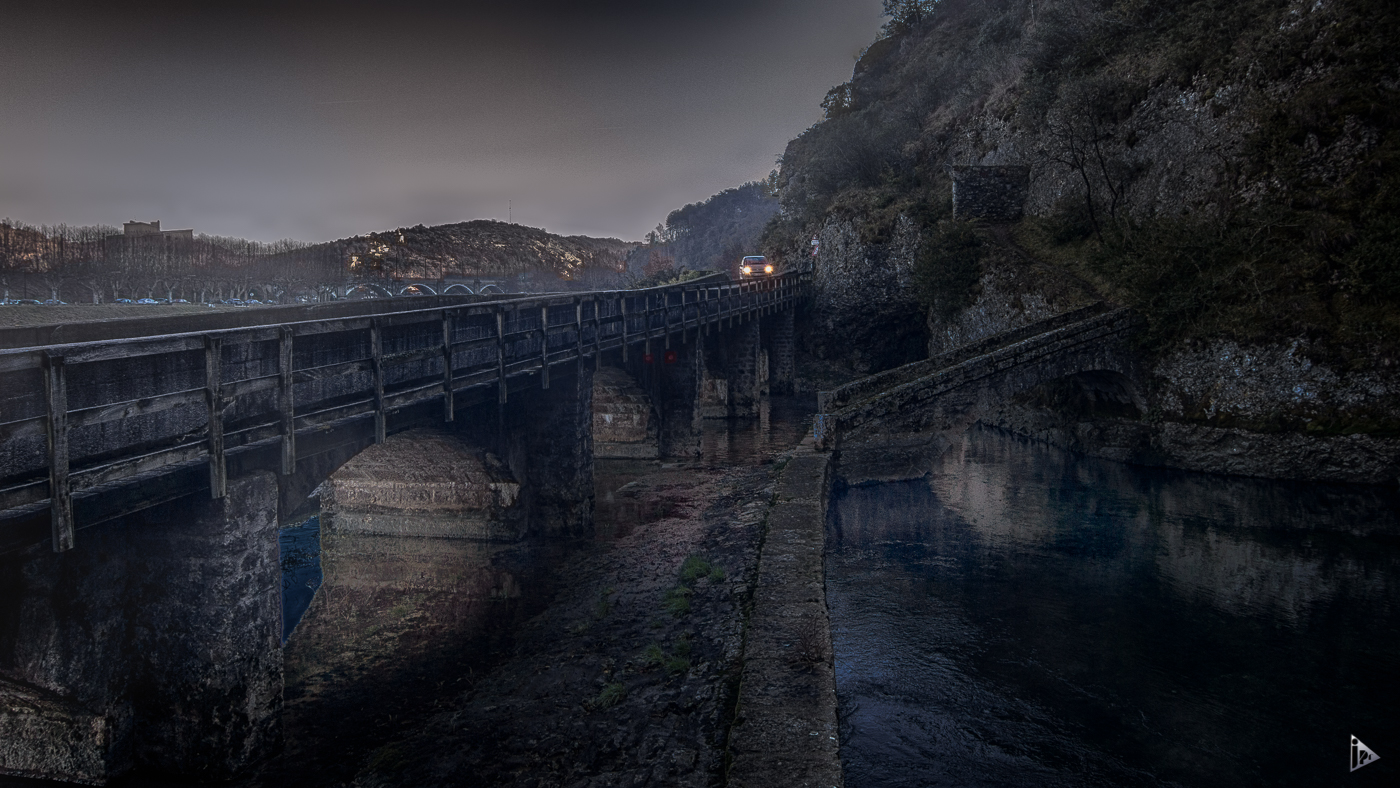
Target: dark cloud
[[318, 120]]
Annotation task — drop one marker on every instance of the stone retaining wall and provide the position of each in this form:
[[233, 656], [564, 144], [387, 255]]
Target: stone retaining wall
[[785, 731]]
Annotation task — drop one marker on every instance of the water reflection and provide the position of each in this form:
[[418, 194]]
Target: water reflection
[[780, 424], [1025, 617], [301, 569]]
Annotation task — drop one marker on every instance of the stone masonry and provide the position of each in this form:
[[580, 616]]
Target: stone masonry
[[166, 626]]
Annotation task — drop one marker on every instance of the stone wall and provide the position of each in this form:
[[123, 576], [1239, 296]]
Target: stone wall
[[425, 483], [548, 446], [623, 423], [780, 337], [167, 624]]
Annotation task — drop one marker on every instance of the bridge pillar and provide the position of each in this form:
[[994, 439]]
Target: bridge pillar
[[165, 626], [734, 377], [623, 423], [678, 397], [548, 444], [750, 373], [780, 342]]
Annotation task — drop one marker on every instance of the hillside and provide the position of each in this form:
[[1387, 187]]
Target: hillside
[[1230, 167], [715, 233], [480, 248]]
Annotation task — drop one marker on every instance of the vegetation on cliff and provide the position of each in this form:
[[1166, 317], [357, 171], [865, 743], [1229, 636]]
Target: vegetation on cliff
[[1229, 167], [715, 233]]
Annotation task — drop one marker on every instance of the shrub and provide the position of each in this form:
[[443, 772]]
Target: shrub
[[948, 267]]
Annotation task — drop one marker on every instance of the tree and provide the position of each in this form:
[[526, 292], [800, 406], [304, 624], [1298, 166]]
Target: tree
[[906, 14]]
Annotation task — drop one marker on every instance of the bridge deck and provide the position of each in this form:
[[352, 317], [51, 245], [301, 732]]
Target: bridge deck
[[85, 420]]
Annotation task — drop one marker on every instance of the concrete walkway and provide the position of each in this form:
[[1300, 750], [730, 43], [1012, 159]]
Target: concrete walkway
[[785, 733]]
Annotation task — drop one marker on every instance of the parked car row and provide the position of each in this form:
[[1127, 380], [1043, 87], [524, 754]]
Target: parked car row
[[226, 302]]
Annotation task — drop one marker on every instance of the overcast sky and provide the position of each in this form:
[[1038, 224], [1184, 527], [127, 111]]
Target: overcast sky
[[338, 118]]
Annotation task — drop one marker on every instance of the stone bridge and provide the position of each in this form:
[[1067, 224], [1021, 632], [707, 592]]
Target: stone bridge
[[888, 424], [145, 466]]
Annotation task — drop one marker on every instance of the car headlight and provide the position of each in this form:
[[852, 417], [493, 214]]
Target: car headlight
[[767, 269], [747, 270]]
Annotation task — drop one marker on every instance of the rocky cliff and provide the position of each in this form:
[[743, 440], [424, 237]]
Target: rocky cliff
[[1229, 169]]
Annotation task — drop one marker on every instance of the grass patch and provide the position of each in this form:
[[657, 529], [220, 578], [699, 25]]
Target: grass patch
[[677, 664], [388, 758], [948, 268], [678, 661], [677, 601], [603, 606], [696, 567], [693, 569], [611, 695], [653, 657]]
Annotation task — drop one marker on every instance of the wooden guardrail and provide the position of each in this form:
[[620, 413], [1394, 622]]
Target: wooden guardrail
[[436, 354]]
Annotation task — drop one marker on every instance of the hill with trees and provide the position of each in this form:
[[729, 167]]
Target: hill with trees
[[96, 263]]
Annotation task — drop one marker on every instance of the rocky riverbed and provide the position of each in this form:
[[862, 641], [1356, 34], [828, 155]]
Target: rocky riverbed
[[614, 661]]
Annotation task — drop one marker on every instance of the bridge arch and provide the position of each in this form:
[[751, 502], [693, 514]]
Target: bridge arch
[[491, 290], [457, 289], [367, 290], [417, 289], [1080, 359]]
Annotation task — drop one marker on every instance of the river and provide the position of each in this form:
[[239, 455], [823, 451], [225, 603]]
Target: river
[[1026, 616]]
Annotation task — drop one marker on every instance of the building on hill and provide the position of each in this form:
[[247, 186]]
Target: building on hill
[[146, 243]]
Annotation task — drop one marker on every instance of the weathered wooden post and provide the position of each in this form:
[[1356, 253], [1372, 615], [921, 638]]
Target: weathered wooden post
[[500, 356], [214, 396], [544, 346], [60, 492], [286, 405], [376, 342]]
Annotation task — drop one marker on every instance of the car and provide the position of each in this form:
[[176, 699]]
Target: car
[[54, 302], [123, 301], [754, 267], [179, 301], [147, 301]]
